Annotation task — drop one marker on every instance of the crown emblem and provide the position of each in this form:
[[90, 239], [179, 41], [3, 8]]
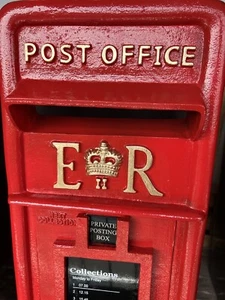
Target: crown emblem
[[103, 160]]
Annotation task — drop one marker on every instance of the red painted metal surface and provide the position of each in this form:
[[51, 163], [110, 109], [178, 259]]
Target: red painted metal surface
[[152, 174]]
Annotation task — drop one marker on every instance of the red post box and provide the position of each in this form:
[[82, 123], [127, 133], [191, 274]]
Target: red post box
[[106, 199]]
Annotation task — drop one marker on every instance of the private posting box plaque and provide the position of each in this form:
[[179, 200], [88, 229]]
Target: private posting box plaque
[[102, 230], [90, 279]]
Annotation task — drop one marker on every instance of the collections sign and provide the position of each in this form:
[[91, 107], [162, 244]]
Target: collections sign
[[90, 279]]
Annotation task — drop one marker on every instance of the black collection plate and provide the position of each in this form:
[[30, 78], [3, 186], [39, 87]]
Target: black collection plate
[[90, 279]]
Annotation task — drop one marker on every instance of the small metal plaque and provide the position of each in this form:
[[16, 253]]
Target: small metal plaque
[[102, 230], [89, 279]]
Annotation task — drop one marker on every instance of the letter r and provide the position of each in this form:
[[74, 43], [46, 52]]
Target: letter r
[[141, 171]]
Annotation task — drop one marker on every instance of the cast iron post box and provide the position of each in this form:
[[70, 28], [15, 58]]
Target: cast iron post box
[[106, 200]]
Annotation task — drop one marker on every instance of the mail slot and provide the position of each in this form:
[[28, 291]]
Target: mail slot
[[110, 117]]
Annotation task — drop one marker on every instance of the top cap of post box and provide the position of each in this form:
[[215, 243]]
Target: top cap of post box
[[48, 51]]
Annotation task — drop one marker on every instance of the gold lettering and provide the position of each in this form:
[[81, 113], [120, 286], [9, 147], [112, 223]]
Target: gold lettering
[[167, 55], [67, 54], [83, 49], [30, 49], [158, 51], [126, 54], [143, 54], [187, 55], [106, 60], [155, 55], [141, 171], [61, 166], [43, 53]]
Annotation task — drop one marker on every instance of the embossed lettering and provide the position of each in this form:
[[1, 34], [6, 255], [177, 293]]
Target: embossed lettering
[[124, 54], [187, 55], [127, 53], [158, 52], [168, 59], [60, 184], [56, 218], [143, 54], [83, 49], [29, 49], [141, 171], [51, 52], [105, 54], [67, 54]]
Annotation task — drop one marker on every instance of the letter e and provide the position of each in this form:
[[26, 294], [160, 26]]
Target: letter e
[[61, 166]]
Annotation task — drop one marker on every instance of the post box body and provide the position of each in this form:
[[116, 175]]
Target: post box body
[[107, 194]]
